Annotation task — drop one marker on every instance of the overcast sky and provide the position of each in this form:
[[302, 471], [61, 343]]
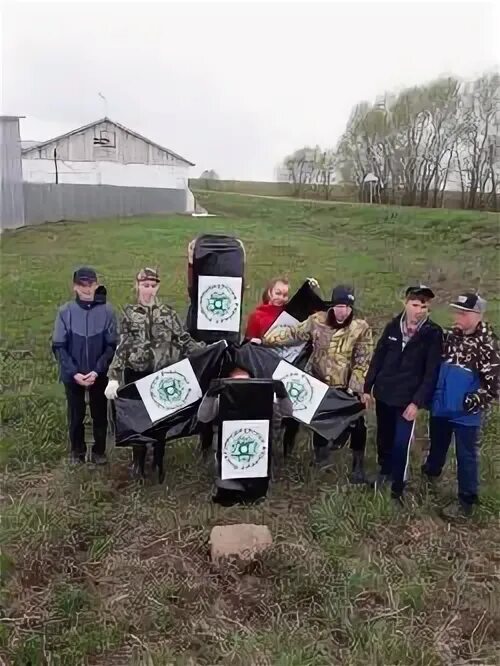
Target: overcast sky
[[233, 87]]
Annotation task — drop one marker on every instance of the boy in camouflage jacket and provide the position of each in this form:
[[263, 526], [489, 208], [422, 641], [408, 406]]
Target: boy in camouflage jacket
[[151, 338], [342, 350]]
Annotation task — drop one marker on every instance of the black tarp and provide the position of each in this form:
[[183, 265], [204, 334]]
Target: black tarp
[[305, 302], [245, 407], [336, 411], [132, 421], [217, 255]]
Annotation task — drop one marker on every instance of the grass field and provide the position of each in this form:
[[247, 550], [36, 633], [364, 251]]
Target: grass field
[[97, 569]]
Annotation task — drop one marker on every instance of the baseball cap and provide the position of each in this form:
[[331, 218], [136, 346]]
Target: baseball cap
[[148, 274], [84, 274], [469, 302], [419, 290], [342, 295]]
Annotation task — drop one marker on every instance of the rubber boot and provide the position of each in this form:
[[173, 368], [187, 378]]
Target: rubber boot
[[358, 475], [158, 456], [322, 458], [289, 436], [138, 461], [206, 439]]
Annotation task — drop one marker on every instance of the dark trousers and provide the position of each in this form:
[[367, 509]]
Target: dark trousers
[[139, 451], [206, 431], [75, 396], [441, 431], [394, 435], [356, 433]]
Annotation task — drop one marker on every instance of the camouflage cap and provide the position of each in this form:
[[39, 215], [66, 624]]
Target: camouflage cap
[[148, 274]]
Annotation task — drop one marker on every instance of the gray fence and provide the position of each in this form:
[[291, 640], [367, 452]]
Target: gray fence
[[11, 175], [51, 203]]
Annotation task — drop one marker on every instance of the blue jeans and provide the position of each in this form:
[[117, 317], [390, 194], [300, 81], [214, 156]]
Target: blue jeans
[[441, 431]]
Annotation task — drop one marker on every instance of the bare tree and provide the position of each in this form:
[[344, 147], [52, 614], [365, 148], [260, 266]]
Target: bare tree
[[413, 141], [311, 168], [210, 174], [298, 165], [477, 152]]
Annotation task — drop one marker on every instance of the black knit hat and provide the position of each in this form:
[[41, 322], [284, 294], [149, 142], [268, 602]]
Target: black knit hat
[[342, 295]]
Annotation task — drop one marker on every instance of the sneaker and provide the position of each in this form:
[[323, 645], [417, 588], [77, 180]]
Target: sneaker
[[99, 459], [458, 511], [359, 478], [76, 459], [397, 499], [428, 478], [429, 483]]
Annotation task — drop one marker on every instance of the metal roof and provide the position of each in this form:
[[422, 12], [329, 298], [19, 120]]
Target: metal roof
[[28, 144], [112, 122]]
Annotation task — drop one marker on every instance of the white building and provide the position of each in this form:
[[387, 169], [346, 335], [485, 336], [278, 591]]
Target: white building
[[104, 153]]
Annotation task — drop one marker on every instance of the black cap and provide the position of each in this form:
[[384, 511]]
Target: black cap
[[84, 274], [419, 291], [342, 295], [469, 302]]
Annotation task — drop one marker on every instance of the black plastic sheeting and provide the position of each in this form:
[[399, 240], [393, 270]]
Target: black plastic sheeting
[[305, 302], [336, 411], [245, 400], [132, 422], [219, 255]]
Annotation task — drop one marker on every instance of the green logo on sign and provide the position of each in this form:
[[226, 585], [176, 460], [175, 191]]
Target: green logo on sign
[[299, 390], [170, 390], [218, 303], [244, 448]]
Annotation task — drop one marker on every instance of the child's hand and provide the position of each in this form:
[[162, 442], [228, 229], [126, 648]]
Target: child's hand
[[80, 379]]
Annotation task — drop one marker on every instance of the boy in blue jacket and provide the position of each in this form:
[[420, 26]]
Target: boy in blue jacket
[[84, 342], [467, 385]]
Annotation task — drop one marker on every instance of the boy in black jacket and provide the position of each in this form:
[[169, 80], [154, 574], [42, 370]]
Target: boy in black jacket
[[403, 374]]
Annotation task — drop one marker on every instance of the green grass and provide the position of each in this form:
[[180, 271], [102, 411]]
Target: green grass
[[99, 570]]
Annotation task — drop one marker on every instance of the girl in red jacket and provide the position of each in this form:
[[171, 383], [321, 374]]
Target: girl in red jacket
[[274, 299]]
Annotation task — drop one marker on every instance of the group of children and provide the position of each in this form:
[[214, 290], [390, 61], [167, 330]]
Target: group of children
[[415, 366]]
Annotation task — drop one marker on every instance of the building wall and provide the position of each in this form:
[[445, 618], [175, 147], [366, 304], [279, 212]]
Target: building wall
[[104, 142], [52, 203], [171, 176], [11, 177]]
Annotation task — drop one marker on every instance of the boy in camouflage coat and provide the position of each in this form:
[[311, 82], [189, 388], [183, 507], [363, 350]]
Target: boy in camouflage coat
[[151, 338], [468, 384]]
